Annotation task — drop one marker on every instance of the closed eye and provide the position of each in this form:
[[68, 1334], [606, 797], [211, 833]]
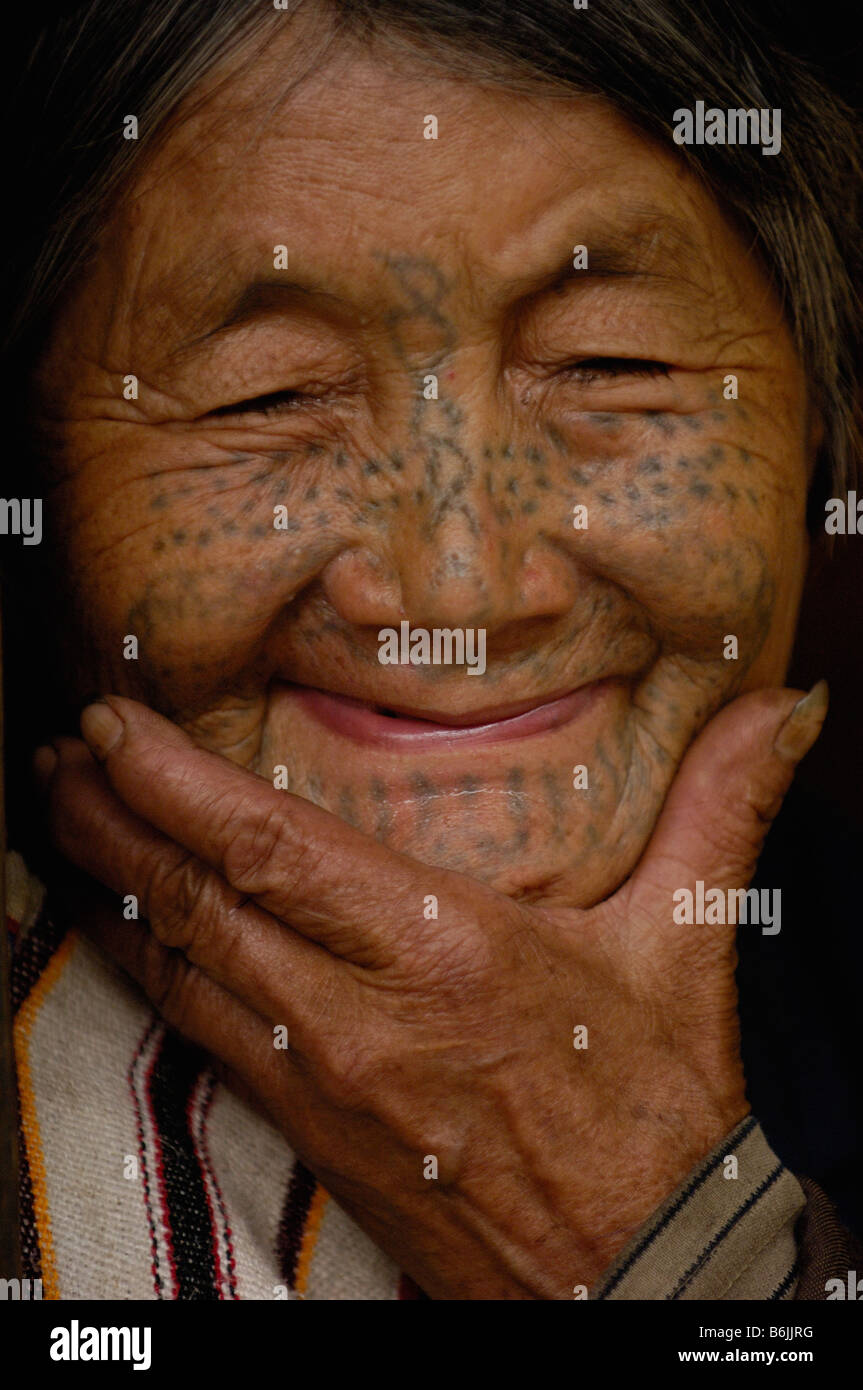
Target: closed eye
[[596, 368], [586, 371], [276, 403]]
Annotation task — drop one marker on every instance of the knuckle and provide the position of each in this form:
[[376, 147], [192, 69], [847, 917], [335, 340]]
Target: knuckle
[[469, 958], [749, 804], [735, 835], [260, 850], [459, 971], [179, 901], [354, 1076], [170, 982], [763, 799]]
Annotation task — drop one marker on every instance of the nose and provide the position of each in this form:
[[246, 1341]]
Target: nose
[[474, 570], [464, 550]]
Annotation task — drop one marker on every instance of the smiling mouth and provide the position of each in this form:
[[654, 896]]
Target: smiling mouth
[[366, 722]]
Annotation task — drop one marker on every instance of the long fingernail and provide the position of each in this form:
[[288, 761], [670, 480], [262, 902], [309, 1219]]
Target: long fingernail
[[803, 724], [101, 729], [44, 763]]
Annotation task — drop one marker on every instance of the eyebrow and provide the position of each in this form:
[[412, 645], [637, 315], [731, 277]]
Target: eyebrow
[[654, 247], [255, 297]]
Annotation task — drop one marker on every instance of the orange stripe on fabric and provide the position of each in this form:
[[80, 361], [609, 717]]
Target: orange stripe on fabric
[[27, 1016], [310, 1238]]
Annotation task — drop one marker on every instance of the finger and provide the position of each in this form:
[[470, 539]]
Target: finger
[[729, 789], [296, 860], [270, 968], [195, 1006]]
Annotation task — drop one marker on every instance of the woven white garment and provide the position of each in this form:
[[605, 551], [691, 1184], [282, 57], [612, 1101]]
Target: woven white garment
[[135, 1188]]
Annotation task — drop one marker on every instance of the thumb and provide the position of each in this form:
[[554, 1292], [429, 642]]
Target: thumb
[[727, 792]]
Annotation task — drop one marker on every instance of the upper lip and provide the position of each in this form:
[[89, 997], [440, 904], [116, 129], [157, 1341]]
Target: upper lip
[[488, 714]]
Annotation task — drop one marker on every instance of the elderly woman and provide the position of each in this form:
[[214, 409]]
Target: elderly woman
[[426, 433]]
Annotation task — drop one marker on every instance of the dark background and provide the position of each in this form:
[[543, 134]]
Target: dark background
[[830, 639], [830, 645]]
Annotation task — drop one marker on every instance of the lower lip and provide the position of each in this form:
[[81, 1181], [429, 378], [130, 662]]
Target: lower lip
[[352, 719]]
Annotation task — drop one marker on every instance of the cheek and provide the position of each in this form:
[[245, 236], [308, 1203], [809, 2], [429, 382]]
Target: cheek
[[687, 534], [701, 532], [196, 563]]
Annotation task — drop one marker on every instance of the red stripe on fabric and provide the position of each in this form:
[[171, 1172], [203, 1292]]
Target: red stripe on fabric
[[207, 1165], [142, 1155], [173, 1080]]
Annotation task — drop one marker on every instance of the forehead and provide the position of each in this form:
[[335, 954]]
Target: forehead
[[330, 159]]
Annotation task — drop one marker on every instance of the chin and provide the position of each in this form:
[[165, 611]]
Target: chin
[[494, 794]]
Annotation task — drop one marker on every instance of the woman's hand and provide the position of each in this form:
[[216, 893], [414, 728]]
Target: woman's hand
[[439, 1080]]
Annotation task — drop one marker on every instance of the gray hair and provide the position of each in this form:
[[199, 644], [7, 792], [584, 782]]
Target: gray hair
[[649, 57]]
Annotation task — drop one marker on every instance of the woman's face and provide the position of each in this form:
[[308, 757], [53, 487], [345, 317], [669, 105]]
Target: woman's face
[[307, 388]]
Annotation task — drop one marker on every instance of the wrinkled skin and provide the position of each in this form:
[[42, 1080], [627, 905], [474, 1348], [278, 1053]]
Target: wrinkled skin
[[451, 257], [452, 1038], [455, 512]]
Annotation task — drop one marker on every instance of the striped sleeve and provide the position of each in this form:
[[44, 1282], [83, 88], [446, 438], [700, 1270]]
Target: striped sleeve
[[726, 1233]]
